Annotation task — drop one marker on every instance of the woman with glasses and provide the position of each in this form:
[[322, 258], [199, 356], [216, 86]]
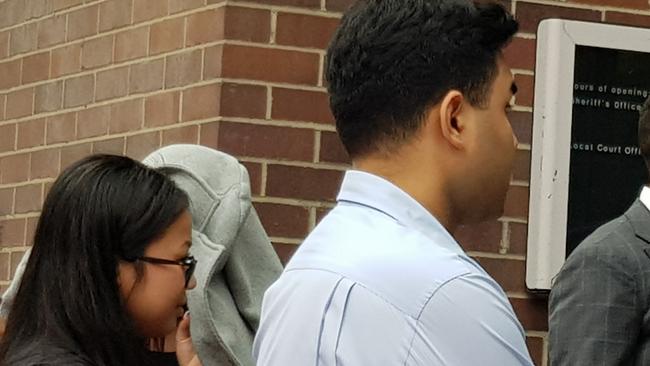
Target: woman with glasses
[[108, 270]]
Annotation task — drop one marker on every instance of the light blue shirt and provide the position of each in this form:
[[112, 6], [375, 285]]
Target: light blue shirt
[[381, 282]]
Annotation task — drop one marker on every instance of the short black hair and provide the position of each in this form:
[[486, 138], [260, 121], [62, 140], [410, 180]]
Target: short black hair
[[644, 132], [390, 60]]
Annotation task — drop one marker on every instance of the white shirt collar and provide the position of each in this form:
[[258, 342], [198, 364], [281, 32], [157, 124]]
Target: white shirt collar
[[645, 197], [379, 194]]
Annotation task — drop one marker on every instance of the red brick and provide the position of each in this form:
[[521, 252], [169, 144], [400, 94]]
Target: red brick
[[28, 198], [79, 91], [516, 204], [532, 312], [637, 20], [45, 163], [93, 122], [284, 251], [166, 36], [161, 109], [6, 201], [20, 103], [315, 4], [74, 153], [114, 14], [331, 149], [36, 67], [183, 69], [627, 4], [212, 62], [139, 146], [23, 39], [529, 15], [201, 102], [518, 238], [97, 52], [64, 4], [51, 31], [5, 268], [147, 76], [113, 146], [149, 9], [31, 134], [521, 170], [8, 137], [509, 273], [283, 220], [13, 232], [181, 135], [209, 135], [273, 142], [301, 105], [524, 96], [12, 12], [483, 237], [131, 44], [30, 230], [4, 44], [338, 5], [60, 128], [9, 74], [315, 32], [126, 116], [36, 8], [303, 183], [83, 23], [254, 174], [522, 125], [269, 64], [14, 168], [536, 349], [176, 6], [48, 97], [245, 24], [66, 60], [204, 27], [239, 100], [520, 54], [3, 100], [112, 83]]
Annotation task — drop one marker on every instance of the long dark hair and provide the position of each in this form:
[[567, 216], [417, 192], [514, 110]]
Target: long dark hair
[[100, 210]]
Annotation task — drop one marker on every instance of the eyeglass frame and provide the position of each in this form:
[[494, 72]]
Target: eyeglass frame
[[189, 262]]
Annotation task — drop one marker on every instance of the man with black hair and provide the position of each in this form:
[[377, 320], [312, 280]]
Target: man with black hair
[[599, 307], [419, 90]]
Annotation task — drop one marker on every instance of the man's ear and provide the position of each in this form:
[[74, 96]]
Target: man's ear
[[451, 125]]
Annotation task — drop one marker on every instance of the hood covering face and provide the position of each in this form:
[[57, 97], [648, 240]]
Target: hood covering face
[[236, 262]]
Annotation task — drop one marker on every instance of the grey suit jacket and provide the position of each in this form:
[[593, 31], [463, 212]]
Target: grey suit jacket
[[600, 301]]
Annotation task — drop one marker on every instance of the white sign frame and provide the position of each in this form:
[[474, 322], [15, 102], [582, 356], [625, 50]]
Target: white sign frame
[[551, 140]]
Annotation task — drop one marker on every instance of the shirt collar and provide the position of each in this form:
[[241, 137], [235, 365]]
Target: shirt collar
[[374, 192], [645, 197]]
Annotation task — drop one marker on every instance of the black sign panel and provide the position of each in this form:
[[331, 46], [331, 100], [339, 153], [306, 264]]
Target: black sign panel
[[606, 168]]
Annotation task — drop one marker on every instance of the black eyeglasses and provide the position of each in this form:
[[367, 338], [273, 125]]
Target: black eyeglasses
[[188, 262]]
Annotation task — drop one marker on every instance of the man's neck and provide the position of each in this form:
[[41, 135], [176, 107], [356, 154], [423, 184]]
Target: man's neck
[[426, 190]]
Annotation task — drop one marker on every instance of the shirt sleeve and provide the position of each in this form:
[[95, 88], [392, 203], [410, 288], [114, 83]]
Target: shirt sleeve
[[469, 321]]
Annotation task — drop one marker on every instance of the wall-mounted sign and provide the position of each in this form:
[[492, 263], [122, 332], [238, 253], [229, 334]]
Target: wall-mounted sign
[[591, 80]]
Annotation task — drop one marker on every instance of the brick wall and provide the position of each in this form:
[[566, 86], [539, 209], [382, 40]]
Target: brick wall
[[129, 76]]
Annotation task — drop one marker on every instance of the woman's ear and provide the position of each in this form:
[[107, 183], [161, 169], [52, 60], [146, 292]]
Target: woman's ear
[[452, 123]]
